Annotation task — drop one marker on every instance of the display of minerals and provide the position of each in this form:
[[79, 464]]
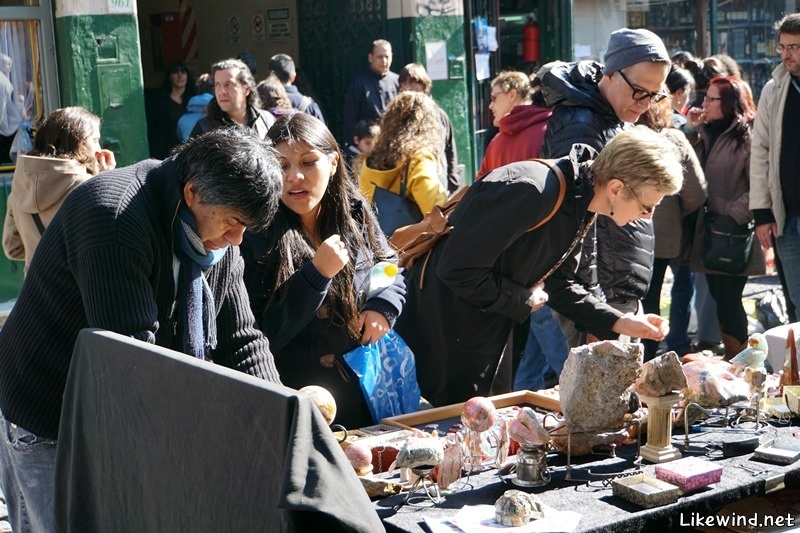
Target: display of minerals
[[478, 413], [517, 508], [527, 430], [420, 452]]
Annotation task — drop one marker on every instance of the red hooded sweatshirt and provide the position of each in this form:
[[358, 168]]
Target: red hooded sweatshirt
[[520, 137]]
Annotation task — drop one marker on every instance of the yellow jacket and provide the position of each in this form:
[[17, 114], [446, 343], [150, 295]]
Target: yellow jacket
[[422, 184]]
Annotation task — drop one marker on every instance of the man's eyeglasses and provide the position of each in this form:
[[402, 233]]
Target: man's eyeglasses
[[645, 209], [711, 98], [791, 48], [641, 94]]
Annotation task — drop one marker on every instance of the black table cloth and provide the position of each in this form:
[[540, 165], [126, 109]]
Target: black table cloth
[[154, 440]]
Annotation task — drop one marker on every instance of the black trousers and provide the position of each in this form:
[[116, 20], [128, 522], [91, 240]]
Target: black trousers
[[727, 293]]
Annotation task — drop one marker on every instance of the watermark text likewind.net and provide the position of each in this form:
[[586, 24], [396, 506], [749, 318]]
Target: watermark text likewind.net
[[737, 520]]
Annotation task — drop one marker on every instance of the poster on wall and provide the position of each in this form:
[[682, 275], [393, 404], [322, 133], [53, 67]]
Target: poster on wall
[[279, 24], [482, 35], [436, 60]]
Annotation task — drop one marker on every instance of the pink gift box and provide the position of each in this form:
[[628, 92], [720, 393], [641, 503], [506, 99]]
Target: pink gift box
[[689, 474]]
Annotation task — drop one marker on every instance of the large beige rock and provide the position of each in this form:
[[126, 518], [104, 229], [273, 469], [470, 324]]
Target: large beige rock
[[595, 393], [660, 376]]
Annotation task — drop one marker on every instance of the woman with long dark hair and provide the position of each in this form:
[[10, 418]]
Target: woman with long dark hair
[[169, 105], [308, 273]]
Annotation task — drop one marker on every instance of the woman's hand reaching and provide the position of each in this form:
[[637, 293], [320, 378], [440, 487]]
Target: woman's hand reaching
[[373, 326], [647, 326], [331, 256]]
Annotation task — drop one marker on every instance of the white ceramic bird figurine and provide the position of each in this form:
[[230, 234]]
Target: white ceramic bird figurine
[[754, 354]]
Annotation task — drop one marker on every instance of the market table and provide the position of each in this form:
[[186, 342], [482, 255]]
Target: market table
[[600, 509]]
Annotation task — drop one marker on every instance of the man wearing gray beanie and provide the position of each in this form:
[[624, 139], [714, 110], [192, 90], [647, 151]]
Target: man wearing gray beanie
[[592, 103]]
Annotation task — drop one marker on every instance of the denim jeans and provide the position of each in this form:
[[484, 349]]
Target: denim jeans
[[546, 348], [680, 309], [788, 246], [27, 474]]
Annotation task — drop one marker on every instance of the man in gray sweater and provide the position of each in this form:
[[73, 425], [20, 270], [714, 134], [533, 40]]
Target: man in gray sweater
[[148, 251]]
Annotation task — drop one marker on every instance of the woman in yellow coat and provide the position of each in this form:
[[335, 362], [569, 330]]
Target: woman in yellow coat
[[408, 144]]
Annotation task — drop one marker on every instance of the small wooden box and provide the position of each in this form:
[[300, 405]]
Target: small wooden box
[[645, 491], [689, 474]]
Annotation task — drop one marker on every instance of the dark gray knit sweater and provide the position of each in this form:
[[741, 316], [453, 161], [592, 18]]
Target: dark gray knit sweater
[[106, 261]]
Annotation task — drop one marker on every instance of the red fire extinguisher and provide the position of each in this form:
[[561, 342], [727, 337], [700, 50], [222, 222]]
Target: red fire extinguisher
[[530, 41]]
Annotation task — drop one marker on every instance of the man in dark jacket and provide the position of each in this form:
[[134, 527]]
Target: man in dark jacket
[[282, 65], [592, 103], [235, 102], [149, 251], [371, 91]]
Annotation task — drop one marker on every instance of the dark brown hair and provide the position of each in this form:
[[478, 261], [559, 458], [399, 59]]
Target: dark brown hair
[[65, 133]]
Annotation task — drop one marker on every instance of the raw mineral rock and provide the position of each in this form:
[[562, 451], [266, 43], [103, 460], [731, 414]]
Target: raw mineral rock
[[517, 508], [419, 452], [595, 385], [660, 376], [527, 430], [450, 469], [710, 383], [756, 379], [380, 488]]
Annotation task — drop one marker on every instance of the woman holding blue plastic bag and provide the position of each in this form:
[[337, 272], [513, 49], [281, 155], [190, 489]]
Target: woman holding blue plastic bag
[[308, 273]]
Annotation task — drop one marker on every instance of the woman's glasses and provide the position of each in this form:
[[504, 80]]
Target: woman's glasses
[[646, 210], [711, 98]]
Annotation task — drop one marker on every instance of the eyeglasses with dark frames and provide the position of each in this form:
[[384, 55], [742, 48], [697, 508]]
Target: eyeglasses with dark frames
[[641, 94], [711, 98], [646, 210]]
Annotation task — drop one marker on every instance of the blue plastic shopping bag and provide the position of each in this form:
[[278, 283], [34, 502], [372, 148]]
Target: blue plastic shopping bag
[[388, 376]]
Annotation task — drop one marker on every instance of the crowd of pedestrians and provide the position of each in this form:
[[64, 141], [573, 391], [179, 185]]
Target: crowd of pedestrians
[[543, 255]]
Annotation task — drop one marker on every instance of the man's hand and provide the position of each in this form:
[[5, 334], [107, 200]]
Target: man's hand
[[647, 326], [764, 232]]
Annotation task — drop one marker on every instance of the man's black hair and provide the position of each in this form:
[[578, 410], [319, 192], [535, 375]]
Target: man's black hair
[[233, 167]]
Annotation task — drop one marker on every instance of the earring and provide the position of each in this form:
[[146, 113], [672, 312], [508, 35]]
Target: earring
[[612, 213]]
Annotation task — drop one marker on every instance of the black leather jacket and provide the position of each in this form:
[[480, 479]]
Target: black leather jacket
[[624, 255]]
